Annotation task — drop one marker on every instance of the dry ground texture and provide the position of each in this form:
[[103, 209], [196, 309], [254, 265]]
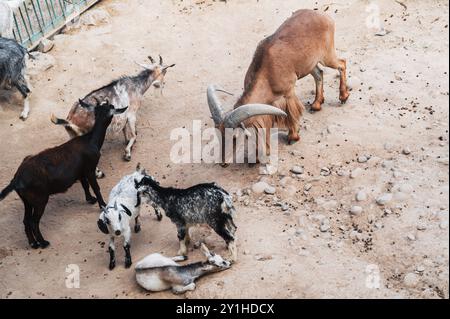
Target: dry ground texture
[[396, 117]]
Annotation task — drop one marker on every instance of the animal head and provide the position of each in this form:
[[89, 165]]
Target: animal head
[[104, 111], [147, 186], [115, 219], [215, 261], [158, 71], [239, 115]]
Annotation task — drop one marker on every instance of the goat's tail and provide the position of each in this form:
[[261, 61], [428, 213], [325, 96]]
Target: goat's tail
[[8, 189]]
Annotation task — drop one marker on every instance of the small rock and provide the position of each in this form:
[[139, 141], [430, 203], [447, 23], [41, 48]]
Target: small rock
[[325, 227], [270, 190], [411, 280], [297, 170], [384, 199], [361, 196], [307, 187], [284, 207], [443, 224], [356, 210], [420, 269], [406, 151], [325, 171], [421, 227], [342, 172], [388, 147], [45, 45], [381, 32], [411, 237], [259, 187], [263, 257], [362, 159], [356, 173]]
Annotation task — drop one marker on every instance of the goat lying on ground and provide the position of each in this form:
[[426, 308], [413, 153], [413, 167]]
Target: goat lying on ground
[[157, 273], [201, 204], [128, 90], [56, 169], [122, 208], [295, 50], [13, 71]]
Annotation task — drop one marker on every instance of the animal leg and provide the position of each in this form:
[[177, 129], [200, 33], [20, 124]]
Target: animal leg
[[112, 254], [158, 213], [22, 86], [89, 198], [182, 289], [294, 111], [131, 129], [227, 230], [27, 221], [126, 247], [182, 238], [137, 225], [36, 218], [317, 73], [93, 182], [341, 66]]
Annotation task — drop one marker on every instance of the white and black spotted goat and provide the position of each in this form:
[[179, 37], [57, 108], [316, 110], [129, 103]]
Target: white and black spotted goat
[[200, 204], [157, 273], [122, 208]]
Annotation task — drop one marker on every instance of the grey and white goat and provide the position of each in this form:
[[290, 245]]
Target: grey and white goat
[[7, 9], [200, 204], [127, 90], [117, 216], [13, 71], [157, 273]]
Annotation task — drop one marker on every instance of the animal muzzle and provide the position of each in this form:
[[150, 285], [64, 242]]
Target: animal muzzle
[[117, 233], [102, 226]]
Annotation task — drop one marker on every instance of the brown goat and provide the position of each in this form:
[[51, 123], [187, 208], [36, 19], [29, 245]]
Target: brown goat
[[295, 50]]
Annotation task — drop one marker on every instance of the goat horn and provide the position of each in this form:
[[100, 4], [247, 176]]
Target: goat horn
[[168, 66], [141, 65], [151, 59], [215, 107], [160, 60], [244, 112]]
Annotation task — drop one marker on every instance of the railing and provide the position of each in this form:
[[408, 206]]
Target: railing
[[35, 19]]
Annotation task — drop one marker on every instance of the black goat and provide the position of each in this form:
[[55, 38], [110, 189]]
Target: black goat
[[56, 169], [200, 204]]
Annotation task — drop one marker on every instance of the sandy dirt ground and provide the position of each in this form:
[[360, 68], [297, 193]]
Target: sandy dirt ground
[[396, 117]]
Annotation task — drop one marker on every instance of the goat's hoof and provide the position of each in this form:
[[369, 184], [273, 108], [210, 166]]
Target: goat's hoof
[[91, 200], [137, 228], [34, 245], [23, 117], [159, 217], [44, 244], [127, 157], [112, 265], [316, 107], [344, 97], [224, 165], [128, 263]]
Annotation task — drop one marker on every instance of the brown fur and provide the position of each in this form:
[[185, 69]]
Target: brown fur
[[292, 52]]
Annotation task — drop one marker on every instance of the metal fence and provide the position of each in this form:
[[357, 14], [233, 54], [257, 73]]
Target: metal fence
[[35, 19]]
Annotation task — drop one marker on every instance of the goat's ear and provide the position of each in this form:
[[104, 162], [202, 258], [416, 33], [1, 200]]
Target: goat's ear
[[86, 106], [205, 250], [119, 111], [102, 226], [136, 183], [127, 211]]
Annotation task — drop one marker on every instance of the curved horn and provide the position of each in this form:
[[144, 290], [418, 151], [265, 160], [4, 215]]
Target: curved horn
[[127, 211], [160, 60], [151, 59], [217, 112], [244, 112]]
